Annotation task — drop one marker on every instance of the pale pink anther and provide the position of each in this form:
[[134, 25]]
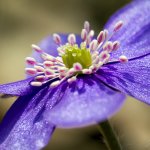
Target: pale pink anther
[[36, 83], [83, 34], [36, 48], [60, 51], [116, 45], [118, 26], [39, 68], [87, 26], [48, 57], [59, 59], [49, 72], [91, 33], [62, 69], [106, 34], [104, 55], [94, 67], [123, 59], [72, 39], [40, 78], [72, 79], [62, 75], [71, 72], [55, 83], [101, 37], [88, 40], [77, 66], [108, 46], [48, 64], [93, 45], [30, 61], [30, 71], [95, 54], [86, 71], [57, 38], [52, 76], [96, 60], [99, 64]]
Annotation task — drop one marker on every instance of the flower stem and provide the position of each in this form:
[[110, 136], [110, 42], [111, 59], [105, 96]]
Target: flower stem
[[109, 135]]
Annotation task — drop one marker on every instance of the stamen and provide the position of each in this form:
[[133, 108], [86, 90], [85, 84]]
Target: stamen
[[88, 39], [55, 83], [106, 34], [71, 72], [99, 64], [93, 45], [96, 60], [57, 39], [83, 34], [94, 55], [60, 51], [34, 83], [108, 46], [39, 68], [86, 71], [118, 26], [30, 71], [74, 58], [30, 61], [72, 79], [77, 66], [87, 26], [104, 55], [123, 59], [48, 64], [116, 45], [62, 69], [71, 39], [91, 34], [48, 57], [49, 72], [40, 78], [101, 37], [36, 48]]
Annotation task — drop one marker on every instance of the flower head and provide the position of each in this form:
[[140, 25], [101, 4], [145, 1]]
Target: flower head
[[74, 80], [74, 58]]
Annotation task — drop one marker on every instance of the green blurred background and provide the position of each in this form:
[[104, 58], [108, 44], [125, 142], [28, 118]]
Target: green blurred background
[[23, 22]]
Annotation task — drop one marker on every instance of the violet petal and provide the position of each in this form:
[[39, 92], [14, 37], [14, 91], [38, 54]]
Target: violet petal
[[18, 88], [86, 101], [132, 78], [134, 35], [24, 126]]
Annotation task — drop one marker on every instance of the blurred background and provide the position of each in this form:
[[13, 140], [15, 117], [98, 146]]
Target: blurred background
[[23, 22]]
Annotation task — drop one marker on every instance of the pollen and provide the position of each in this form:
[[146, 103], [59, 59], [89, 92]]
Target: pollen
[[74, 58]]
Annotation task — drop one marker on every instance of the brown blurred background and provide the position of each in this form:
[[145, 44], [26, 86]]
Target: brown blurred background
[[23, 22]]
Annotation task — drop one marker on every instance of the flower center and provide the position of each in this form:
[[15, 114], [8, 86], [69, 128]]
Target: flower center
[[74, 54], [74, 58]]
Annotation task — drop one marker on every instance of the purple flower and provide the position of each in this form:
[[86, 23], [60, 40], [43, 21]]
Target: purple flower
[[79, 83]]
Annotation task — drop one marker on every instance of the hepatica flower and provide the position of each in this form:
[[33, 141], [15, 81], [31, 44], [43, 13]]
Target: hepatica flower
[[78, 80]]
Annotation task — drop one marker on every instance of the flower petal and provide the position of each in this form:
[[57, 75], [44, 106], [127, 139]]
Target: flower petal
[[24, 126], [18, 88], [86, 101], [50, 47], [134, 35], [131, 78]]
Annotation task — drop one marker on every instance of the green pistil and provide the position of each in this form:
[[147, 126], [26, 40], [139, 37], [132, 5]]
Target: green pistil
[[75, 54]]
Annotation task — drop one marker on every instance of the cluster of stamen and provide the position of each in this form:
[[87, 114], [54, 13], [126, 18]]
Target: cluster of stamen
[[74, 59]]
